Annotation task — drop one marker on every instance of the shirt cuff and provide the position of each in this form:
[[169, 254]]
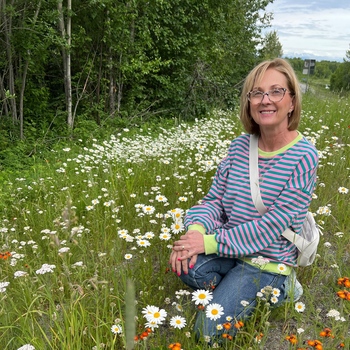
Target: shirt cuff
[[210, 244], [197, 227]]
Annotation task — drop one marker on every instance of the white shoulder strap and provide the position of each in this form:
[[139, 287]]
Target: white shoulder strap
[[255, 188], [254, 175]]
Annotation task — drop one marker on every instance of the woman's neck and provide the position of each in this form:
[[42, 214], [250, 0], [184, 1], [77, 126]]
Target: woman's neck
[[270, 142]]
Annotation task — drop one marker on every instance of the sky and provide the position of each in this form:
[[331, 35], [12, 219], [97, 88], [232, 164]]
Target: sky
[[312, 29]]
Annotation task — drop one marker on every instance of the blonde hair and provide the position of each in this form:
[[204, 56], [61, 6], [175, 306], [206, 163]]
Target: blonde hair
[[254, 77]]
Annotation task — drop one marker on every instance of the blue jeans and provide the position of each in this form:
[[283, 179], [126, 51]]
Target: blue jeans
[[234, 282]]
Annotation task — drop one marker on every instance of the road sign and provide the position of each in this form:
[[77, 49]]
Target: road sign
[[309, 67]]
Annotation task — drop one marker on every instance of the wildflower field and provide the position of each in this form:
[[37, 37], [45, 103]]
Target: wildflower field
[[85, 240]]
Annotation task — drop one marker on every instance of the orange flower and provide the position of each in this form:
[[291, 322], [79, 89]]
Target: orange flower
[[343, 294], [315, 344], [5, 255], [292, 338], [238, 325], [227, 336], [175, 346], [344, 281], [227, 325], [327, 332]]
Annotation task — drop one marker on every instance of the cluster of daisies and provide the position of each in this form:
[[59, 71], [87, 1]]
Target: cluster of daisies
[[155, 316]]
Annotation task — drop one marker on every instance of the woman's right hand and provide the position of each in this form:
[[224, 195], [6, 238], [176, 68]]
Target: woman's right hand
[[178, 265]]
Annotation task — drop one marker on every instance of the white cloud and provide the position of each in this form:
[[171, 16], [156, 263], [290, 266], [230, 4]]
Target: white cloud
[[317, 28]]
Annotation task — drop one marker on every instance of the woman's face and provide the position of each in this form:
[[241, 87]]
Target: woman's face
[[272, 116]]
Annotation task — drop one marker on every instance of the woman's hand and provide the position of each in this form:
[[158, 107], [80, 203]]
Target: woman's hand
[[186, 250], [179, 265]]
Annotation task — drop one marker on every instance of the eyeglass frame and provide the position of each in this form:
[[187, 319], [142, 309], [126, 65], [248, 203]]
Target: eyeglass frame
[[267, 94]]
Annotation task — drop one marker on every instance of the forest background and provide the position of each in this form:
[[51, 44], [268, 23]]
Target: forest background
[[72, 70]]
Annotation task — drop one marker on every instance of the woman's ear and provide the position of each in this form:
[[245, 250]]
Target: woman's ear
[[291, 108]]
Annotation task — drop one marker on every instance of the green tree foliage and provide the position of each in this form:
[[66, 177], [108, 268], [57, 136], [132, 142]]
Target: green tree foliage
[[129, 59], [340, 79], [297, 64], [272, 47]]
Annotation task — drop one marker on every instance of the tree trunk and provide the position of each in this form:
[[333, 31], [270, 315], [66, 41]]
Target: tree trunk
[[112, 89], [66, 35], [4, 108], [7, 24], [24, 78], [70, 119]]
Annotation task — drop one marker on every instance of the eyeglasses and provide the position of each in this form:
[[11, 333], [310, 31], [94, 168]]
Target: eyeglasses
[[275, 95]]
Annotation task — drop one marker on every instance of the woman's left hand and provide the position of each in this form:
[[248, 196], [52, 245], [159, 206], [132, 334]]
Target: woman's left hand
[[191, 244]]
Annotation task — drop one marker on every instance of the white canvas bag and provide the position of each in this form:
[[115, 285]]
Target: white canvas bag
[[308, 239]]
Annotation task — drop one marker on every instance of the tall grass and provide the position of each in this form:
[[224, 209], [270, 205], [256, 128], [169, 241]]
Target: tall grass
[[85, 241]]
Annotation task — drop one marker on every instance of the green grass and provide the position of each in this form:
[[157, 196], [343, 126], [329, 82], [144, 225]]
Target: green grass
[[84, 209]]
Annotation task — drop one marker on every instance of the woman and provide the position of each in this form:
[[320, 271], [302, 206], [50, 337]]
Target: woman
[[226, 237]]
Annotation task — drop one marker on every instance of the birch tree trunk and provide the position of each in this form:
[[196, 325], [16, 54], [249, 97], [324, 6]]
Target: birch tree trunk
[[66, 35]]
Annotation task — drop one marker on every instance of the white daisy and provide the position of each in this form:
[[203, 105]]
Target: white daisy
[[143, 243], [202, 297], [152, 325], [154, 315], [299, 306], [178, 322], [161, 198], [214, 311], [176, 213], [276, 292], [117, 329], [177, 227], [274, 300], [281, 268], [148, 209], [343, 190], [149, 235], [165, 236]]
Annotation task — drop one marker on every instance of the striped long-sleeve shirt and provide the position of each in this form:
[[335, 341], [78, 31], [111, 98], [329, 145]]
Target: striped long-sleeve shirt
[[287, 179]]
